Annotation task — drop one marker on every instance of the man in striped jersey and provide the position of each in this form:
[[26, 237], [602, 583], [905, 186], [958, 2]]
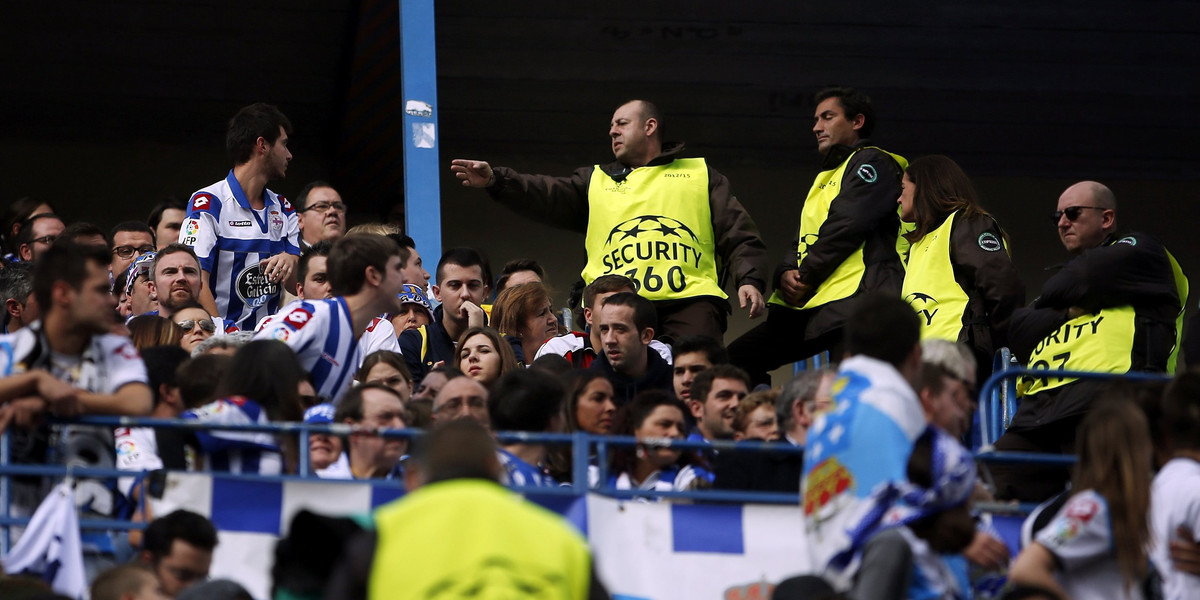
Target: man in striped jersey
[[365, 278], [246, 236]]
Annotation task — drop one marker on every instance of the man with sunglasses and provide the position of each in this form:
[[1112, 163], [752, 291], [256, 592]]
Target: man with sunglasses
[[322, 214], [1115, 307]]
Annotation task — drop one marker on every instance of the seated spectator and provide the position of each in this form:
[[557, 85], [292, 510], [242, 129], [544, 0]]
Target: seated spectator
[[413, 267], [86, 234], [519, 271], [1175, 495], [312, 273], [261, 385], [118, 290], [195, 322], [462, 276], [653, 415], [692, 354], [178, 547], [140, 288], [461, 398], [904, 543], [1096, 545], [326, 452], [227, 344], [16, 291], [428, 388], [483, 355], [525, 312], [626, 322], [581, 348], [12, 220], [526, 400], [198, 377], [387, 368], [370, 407], [947, 390], [755, 417], [37, 233], [716, 394], [801, 400], [127, 582], [590, 406], [130, 240], [151, 330], [166, 219], [415, 311]]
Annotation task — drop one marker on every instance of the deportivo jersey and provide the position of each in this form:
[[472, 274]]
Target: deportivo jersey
[[230, 239], [322, 335], [518, 472], [379, 335], [236, 451]]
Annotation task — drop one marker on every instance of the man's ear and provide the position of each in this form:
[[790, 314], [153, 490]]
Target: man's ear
[[587, 315], [647, 336], [372, 276], [59, 293], [858, 121], [261, 145], [13, 308], [437, 292], [697, 408], [26, 252], [650, 127]]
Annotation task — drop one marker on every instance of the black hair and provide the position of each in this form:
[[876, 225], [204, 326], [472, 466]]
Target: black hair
[[884, 327], [320, 248], [156, 213], [525, 400], [644, 315], [179, 525], [351, 255], [703, 382], [853, 103], [162, 366], [712, 349], [465, 257], [66, 262], [302, 198], [131, 226], [250, 123], [351, 404]]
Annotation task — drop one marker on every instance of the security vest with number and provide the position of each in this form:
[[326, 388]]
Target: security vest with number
[[1102, 342], [655, 227], [846, 278], [930, 287], [473, 538]]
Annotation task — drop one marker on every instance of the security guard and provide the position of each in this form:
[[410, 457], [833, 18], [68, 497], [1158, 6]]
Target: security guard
[[668, 223], [846, 244], [1116, 307], [460, 534]]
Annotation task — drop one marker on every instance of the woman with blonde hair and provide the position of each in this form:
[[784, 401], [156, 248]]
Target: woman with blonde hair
[[526, 313], [152, 330], [1096, 545]]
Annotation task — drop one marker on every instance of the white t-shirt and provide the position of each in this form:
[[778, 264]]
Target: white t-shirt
[[1174, 503], [1080, 537]]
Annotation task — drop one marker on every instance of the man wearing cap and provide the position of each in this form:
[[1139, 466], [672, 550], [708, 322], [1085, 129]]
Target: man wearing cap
[[138, 289], [325, 451], [415, 310]]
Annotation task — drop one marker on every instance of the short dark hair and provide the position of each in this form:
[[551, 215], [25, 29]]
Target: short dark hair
[[302, 198], [712, 349], [525, 400], [514, 266], [198, 377], [883, 326], [131, 226], [1181, 411], [703, 382], [173, 248], [156, 213], [605, 284], [16, 282], [465, 257], [66, 262], [854, 103], [351, 255], [351, 404], [184, 525], [25, 236], [115, 582], [259, 120], [460, 449], [15, 215], [74, 231], [650, 111], [320, 248], [162, 366], [644, 315]]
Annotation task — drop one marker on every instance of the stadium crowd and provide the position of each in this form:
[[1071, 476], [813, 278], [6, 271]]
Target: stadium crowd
[[239, 307]]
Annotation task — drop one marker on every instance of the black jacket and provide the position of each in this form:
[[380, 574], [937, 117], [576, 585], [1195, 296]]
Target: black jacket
[[659, 376], [441, 347]]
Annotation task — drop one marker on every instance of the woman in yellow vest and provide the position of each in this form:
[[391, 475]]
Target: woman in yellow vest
[[960, 278]]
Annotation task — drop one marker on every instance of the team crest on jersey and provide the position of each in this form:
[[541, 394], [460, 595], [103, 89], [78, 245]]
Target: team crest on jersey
[[277, 222], [282, 334], [253, 287], [827, 482], [298, 318], [201, 202], [191, 226]]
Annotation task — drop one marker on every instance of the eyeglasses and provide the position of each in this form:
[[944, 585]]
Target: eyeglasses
[[191, 324], [1073, 212], [325, 206], [129, 251], [45, 239]]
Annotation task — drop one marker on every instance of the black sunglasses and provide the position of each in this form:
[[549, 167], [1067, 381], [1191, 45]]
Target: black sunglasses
[[1073, 212], [206, 325]]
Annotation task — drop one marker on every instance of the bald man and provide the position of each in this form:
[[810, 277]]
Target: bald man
[[1115, 307], [669, 223]]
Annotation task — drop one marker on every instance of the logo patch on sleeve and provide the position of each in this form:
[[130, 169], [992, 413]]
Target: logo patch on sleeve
[[989, 242], [1132, 241], [867, 173], [201, 202]]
